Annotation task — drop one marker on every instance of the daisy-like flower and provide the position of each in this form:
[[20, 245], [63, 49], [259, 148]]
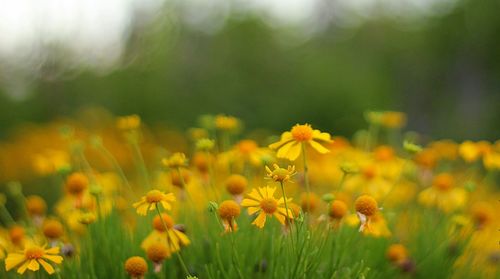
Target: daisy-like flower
[[366, 208], [32, 257], [444, 194], [262, 201], [151, 200], [280, 174], [290, 144], [228, 211]]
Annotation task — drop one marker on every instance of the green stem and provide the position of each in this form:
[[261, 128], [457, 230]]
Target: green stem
[[236, 260], [289, 220], [140, 163]]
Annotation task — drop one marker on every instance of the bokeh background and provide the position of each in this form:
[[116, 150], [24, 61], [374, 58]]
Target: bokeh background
[[270, 62]]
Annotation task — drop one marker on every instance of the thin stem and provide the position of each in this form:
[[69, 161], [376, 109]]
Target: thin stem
[[306, 176], [236, 260], [287, 213], [140, 163]]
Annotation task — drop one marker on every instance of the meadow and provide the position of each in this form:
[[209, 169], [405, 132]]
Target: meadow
[[111, 197]]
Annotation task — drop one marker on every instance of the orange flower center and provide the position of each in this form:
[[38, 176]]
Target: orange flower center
[[34, 253], [369, 172], [158, 224], [302, 132], [154, 196], [443, 182], [247, 146], [269, 205]]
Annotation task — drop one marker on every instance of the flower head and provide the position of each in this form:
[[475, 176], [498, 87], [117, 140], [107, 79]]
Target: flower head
[[226, 123], [228, 211], [205, 144], [129, 122], [136, 267], [176, 160], [290, 144], [53, 229], [236, 184], [280, 174], [151, 200], [262, 201], [366, 207], [338, 209], [157, 252], [76, 183], [35, 205], [32, 257], [167, 232], [397, 253]]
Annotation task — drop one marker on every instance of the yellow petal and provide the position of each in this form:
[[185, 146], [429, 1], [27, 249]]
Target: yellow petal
[[184, 240], [170, 197], [53, 250], [13, 260], [318, 147], [166, 205], [46, 266], [23, 267], [317, 135], [294, 151], [260, 221], [285, 138], [55, 258], [283, 151], [142, 209], [249, 202], [33, 265], [281, 218], [253, 210]]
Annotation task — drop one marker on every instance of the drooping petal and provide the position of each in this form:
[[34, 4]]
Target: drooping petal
[[183, 239], [23, 267], [53, 250], [285, 149], [294, 151], [280, 217], [33, 265], [260, 221], [13, 260], [318, 147], [285, 138], [166, 205], [170, 197], [142, 209], [249, 202], [46, 266]]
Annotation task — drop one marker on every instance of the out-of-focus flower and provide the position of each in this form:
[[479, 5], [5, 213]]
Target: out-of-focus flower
[[32, 257], [176, 160], [443, 194], [228, 212], [151, 200]]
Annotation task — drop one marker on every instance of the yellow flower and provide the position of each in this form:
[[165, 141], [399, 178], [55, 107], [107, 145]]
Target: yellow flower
[[177, 160], [32, 257], [136, 267], [228, 212], [205, 144], [443, 194], [226, 123], [366, 207], [290, 144], [129, 122], [397, 253], [393, 119], [151, 200], [280, 174], [171, 236], [262, 201], [469, 151]]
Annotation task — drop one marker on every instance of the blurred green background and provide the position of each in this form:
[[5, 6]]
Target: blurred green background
[[442, 68]]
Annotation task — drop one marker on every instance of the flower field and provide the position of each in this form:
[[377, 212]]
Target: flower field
[[112, 197]]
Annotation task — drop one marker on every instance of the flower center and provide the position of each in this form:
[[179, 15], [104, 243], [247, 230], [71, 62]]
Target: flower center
[[34, 253], [302, 132], [153, 196], [280, 174], [247, 146], [443, 182], [369, 172], [269, 205], [158, 224]]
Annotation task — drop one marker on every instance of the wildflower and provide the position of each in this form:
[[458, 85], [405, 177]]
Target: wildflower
[[262, 201], [443, 194], [136, 267], [411, 148], [226, 123], [280, 174], [176, 160], [36, 206], [338, 209], [469, 151], [180, 178], [236, 185], [16, 235], [202, 162], [129, 122], [393, 119], [246, 152], [366, 207], [205, 144], [87, 218], [397, 253], [482, 214], [166, 232], [151, 200], [157, 252], [53, 229], [76, 183], [290, 144], [32, 257], [309, 202], [228, 212]]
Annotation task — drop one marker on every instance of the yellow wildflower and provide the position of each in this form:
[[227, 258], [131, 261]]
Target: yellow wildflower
[[176, 160], [290, 144], [32, 257], [228, 212], [151, 200], [280, 174], [262, 201]]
